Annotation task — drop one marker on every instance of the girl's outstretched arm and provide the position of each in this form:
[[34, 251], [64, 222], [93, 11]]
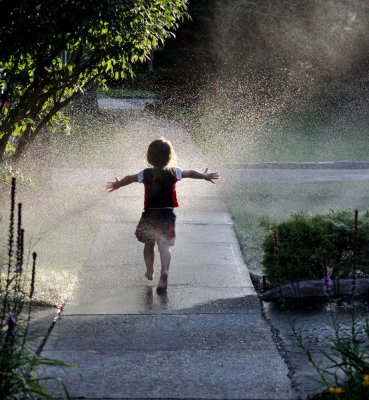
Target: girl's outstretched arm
[[208, 176], [127, 180]]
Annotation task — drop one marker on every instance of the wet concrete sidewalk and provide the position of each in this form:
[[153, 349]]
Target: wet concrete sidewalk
[[206, 338]]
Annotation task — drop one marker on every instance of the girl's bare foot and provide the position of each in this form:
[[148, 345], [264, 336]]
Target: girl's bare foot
[[149, 276], [163, 283]]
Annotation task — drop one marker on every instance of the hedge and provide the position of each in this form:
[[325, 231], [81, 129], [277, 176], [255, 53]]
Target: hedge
[[309, 246]]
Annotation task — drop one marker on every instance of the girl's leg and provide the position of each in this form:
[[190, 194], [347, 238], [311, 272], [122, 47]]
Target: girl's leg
[[165, 257], [149, 255]]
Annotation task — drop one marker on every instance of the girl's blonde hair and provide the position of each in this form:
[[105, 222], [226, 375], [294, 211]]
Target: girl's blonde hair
[[161, 154]]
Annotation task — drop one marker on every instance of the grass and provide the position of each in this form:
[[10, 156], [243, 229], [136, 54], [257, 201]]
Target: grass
[[253, 204], [89, 140], [53, 286], [249, 137]]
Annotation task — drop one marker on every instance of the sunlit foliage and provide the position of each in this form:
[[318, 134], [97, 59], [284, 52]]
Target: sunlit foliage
[[51, 51]]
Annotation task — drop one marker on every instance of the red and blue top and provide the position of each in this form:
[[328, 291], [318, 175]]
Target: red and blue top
[[160, 187]]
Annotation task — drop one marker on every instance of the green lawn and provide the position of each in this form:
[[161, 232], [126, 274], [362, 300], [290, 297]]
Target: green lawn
[[97, 141], [231, 136]]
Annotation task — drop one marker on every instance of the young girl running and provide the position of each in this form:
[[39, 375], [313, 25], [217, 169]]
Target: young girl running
[[157, 223]]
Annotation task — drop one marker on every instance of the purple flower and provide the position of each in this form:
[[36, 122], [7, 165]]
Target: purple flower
[[328, 283], [11, 321]]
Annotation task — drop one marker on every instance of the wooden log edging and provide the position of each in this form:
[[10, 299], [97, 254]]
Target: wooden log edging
[[318, 289]]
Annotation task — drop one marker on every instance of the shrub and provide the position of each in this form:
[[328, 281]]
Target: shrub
[[310, 246]]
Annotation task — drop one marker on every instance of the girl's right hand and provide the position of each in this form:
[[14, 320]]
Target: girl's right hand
[[211, 176], [110, 186]]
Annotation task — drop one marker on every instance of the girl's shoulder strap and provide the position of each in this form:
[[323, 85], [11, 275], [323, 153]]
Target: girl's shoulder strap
[[152, 174]]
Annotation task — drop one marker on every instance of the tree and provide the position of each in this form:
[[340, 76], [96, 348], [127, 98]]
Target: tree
[[50, 51]]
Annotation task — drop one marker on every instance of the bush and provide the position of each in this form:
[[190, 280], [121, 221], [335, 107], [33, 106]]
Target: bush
[[311, 246]]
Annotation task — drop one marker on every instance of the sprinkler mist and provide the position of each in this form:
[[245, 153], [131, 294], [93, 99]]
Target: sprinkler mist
[[281, 81]]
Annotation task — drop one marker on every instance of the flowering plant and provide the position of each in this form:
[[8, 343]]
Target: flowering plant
[[19, 365], [347, 375]]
